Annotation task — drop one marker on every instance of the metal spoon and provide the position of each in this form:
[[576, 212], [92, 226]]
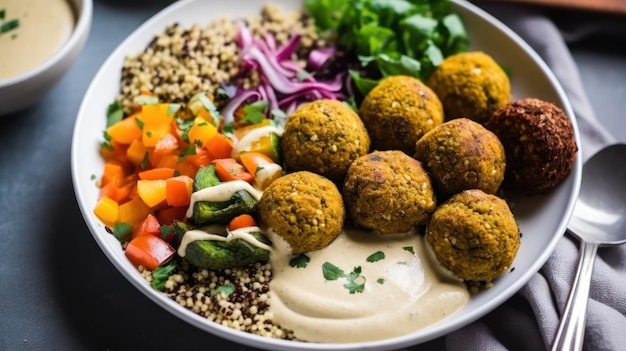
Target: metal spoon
[[599, 219]]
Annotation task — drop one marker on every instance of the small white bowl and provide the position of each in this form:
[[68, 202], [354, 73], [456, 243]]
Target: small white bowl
[[23, 90]]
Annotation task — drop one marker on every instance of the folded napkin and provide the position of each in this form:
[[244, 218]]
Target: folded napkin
[[530, 319]]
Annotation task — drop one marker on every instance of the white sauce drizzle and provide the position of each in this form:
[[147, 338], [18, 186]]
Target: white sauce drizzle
[[213, 233], [254, 135], [221, 192]]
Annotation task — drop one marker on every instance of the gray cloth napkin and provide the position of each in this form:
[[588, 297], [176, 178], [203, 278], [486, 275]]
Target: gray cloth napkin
[[529, 320]]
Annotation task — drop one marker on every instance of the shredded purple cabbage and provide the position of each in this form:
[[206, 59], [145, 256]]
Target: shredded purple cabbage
[[284, 84]]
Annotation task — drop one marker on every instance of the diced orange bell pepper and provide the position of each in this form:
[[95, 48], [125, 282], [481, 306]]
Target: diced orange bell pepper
[[201, 131], [113, 172], [107, 210], [137, 153], [219, 146], [152, 192], [149, 251], [157, 173], [179, 190], [133, 212], [125, 130], [157, 123], [228, 169], [242, 221], [163, 147]]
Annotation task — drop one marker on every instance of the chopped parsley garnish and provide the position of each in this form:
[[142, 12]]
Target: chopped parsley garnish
[[409, 249], [115, 113], [93, 177], [225, 289], [9, 26], [380, 281], [139, 123], [300, 261], [172, 109], [184, 125], [376, 256], [254, 112], [302, 75], [404, 263], [106, 144], [144, 162], [188, 151], [161, 274], [121, 231], [356, 282], [332, 272]]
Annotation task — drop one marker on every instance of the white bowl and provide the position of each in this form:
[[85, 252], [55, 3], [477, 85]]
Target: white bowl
[[25, 89], [542, 219]]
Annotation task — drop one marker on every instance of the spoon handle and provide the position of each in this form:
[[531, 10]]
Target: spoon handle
[[572, 327]]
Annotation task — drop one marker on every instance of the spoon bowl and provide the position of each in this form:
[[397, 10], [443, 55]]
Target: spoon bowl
[[599, 219]]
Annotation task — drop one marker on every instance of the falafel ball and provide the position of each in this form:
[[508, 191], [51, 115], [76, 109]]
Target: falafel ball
[[398, 111], [462, 154], [388, 192], [324, 137], [539, 144], [305, 209], [474, 235], [471, 85]]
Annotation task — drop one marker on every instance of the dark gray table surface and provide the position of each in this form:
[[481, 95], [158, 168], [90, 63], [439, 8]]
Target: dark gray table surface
[[58, 291]]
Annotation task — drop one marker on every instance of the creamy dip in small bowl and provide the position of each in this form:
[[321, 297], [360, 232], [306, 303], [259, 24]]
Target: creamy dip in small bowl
[[39, 41]]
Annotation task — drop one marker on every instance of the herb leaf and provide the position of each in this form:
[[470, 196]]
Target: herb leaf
[[332, 272], [115, 113], [254, 112], [356, 282], [121, 231], [409, 249], [376, 256], [300, 261], [225, 289], [161, 274]]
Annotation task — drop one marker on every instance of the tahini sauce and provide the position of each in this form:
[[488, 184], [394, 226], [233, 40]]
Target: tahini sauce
[[414, 292], [45, 25], [404, 292]]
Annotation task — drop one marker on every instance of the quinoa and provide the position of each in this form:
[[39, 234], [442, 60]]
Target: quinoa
[[245, 309], [183, 61]]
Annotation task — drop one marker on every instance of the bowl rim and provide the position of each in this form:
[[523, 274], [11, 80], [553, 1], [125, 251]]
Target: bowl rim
[[385, 344], [81, 28]]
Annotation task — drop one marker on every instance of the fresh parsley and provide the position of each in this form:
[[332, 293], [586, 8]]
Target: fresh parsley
[[121, 231], [376, 256], [225, 289], [409, 249], [187, 151], [356, 282], [254, 112], [300, 261], [161, 274], [7, 26], [115, 113]]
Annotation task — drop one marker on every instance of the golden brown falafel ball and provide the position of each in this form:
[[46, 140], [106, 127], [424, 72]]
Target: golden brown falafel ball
[[305, 209], [471, 85], [474, 235], [324, 137], [539, 144], [398, 111], [461, 154], [388, 192]]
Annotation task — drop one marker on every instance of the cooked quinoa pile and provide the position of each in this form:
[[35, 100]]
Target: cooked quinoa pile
[[183, 61], [245, 309]]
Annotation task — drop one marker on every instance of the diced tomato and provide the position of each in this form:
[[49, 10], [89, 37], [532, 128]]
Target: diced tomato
[[229, 169], [149, 251]]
